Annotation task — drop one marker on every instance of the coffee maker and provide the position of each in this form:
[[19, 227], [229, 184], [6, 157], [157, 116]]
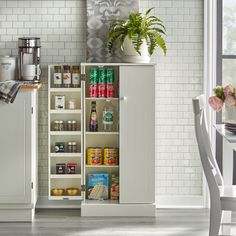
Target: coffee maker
[[29, 59]]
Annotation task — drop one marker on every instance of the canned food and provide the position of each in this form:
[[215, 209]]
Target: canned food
[[94, 156], [60, 168], [111, 156], [71, 168], [60, 147]]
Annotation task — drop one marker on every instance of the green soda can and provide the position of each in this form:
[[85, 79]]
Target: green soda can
[[110, 76], [101, 83], [93, 78], [101, 75]]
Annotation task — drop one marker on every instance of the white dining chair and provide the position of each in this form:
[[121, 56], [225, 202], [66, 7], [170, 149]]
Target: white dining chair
[[222, 198]]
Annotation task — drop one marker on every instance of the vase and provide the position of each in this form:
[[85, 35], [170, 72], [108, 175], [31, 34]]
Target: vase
[[230, 114], [131, 55]]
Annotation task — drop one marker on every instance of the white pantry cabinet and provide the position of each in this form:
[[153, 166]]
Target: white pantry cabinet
[[18, 155], [133, 133]]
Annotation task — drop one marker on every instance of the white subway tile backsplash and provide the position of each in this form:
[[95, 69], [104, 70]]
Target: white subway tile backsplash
[[61, 25]]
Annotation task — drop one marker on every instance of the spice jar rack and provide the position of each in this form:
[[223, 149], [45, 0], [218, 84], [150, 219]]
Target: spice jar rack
[[65, 126]]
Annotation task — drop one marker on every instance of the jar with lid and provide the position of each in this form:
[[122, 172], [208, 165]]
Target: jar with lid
[[72, 125], [76, 81], [66, 76], [61, 125], [57, 77], [58, 125], [72, 147], [72, 104]]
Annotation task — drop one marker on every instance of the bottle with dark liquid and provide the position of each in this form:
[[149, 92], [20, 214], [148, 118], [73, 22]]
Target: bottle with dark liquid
[[93, 121]]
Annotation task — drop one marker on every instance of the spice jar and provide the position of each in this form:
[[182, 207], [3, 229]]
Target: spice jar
[[72, 125], [66, 76], [71, 104], [75, 77], [61, 125], [72, 147], [56, 125], [57, 77], [69, 125]]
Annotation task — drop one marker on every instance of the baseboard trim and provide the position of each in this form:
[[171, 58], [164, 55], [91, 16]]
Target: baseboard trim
[[161, 202], [43, 202], [188, 201]]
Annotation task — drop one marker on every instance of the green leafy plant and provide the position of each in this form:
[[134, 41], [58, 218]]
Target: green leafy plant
[[138, 27]]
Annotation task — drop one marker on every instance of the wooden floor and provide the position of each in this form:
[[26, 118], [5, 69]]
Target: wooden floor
[[69, 223]]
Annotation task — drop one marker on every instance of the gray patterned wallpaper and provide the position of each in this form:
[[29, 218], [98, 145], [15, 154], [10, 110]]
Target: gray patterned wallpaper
[[99, 15]]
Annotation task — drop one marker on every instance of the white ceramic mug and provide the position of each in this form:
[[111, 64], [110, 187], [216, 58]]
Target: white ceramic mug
[[30, 71]]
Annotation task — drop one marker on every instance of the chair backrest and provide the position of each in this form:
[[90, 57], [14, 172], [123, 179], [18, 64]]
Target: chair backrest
[[209, 164]]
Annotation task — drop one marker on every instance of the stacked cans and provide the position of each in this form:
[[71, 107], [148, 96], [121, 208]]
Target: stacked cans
[[101, 83]]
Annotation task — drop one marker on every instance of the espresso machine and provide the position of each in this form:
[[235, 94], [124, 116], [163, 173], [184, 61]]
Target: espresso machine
[[29, 59]]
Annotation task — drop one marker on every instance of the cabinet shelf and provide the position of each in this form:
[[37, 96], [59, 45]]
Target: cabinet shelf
[[98, 202], [69, 90], [102, 133], [69, 133], [101, 166], [102, 99], [66, 176], [66, 111], [66, 197], [65, 154]]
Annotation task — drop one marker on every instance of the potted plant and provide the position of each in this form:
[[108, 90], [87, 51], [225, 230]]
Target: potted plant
[[224, 95], [140, 35]]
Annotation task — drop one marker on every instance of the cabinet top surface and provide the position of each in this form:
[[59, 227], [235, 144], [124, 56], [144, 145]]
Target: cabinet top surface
[[114, 64]]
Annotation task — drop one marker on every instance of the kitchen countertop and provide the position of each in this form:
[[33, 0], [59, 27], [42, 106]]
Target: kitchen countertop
[[31, 86]]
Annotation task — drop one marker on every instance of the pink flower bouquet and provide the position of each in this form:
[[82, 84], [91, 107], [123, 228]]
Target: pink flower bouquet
[[223, 95]]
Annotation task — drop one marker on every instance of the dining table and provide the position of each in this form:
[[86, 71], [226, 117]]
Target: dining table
[[229, 146]]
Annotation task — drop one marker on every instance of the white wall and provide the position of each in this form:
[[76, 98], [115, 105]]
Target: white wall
[[61, 25]]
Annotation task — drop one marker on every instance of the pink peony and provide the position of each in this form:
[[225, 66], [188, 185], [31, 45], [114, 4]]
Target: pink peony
[[216, 103], [229, 101], [228, 90]]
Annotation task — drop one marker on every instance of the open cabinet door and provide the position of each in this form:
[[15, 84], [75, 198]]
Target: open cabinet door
[[137, 134]]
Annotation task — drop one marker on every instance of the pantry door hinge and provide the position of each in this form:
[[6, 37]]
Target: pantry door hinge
[[32, 185], [32, 110], [83, 188], [82, 77]]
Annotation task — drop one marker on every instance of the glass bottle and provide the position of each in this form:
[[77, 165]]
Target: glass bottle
[[75, 77], [93, 121], [108, 116], [57, 77], [66, 76]]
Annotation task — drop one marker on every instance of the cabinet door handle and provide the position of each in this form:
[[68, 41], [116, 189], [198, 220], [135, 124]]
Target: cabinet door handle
[[123, 98]]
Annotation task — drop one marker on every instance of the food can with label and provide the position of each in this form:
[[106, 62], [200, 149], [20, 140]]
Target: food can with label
[[94, 156], [111, 156]]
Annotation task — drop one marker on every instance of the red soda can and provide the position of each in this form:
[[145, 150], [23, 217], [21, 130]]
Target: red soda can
[[101, 90], [93, 90], [110, 91]]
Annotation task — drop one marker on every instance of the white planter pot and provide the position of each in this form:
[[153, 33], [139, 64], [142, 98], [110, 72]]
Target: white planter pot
[[130, 54]]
